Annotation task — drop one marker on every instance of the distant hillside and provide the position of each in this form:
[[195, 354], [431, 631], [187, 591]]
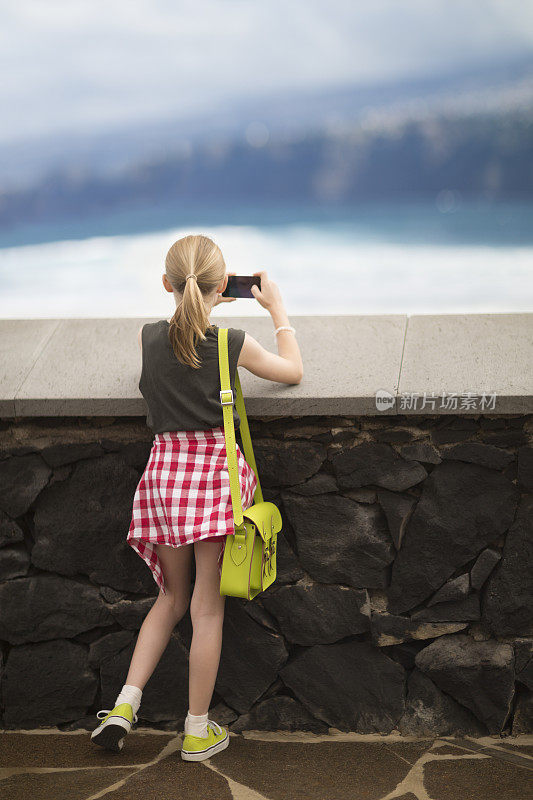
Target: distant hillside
[[478, 156], [486, 88]]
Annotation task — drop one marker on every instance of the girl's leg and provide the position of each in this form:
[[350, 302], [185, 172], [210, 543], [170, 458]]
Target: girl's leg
[[207, 616], [165, 613]]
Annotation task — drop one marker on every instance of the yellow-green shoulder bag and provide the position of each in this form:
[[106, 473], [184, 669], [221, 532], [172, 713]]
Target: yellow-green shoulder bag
[[249, 562]]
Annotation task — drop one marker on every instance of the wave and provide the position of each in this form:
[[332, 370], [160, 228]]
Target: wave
[[325, 269]]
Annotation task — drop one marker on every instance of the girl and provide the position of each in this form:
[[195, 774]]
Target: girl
[[182, 501]]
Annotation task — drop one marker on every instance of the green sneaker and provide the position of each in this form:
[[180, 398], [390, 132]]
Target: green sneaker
[[196, 748], [111, 732]]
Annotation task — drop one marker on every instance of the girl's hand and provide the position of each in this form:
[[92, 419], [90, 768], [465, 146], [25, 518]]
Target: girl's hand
[[221, 299], [269, 296]]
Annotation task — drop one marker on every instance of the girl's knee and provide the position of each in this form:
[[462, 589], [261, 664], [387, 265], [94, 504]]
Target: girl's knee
[[173, 603], [207, 607]]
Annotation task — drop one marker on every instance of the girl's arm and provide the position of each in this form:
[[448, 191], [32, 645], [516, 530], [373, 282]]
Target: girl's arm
[[287, 366], [270, 366]]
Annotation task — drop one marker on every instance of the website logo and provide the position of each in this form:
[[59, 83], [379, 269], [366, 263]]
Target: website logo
[[384, 400]]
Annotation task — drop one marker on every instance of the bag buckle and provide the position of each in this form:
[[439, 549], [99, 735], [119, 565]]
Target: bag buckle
[[226, 402]]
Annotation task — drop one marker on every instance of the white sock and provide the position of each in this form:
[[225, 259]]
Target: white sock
[[196, 725], [130, 694]]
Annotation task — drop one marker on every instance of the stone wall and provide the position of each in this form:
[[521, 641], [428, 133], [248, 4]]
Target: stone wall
[[403, 596]]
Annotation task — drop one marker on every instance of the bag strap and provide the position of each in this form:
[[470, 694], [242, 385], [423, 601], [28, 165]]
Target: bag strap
[[246, 438], [227, 401]]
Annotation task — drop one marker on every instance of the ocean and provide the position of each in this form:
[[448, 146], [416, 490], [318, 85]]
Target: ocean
[[450, 256]]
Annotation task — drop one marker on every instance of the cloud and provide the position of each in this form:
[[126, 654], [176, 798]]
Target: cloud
[[88, 64]]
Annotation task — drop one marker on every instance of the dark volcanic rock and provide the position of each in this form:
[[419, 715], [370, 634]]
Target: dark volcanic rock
[[281, 713], [81, 526], [10, 532], [506, 438], [456, 589], [397, 508], [108, 645], [523, 714], [486, 455], [525, 468], [375, 463], [282, 463], [322, 483], [316, 613], [21, 480], [394, 435], [485, 563], [466, 610], [136, 454], [250, 659], [421, 451], [430, 712], [493, 423], [351, 686], [130, 614], [14, 562], [260, 614], [111, 595], [223, 714], [165, 696], [47, 683], [288, 568], [406, 652], [524, 662], [463, 508], [454, 429], [523, 653], [339, 540], [58, 454], [479, 675], [47, 607], [385, 570], [368, 496], [389, 629], [508, 599]]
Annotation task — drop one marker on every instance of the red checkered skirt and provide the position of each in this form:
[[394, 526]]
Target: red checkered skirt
[[184, 494]]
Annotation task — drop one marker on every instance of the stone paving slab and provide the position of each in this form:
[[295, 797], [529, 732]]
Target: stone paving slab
[[474, 353], [88, 366], [71, 367], [525, 749], [21, 343], [258, 765], [92, 366], [489, 778], [65, 785], [71, 750]]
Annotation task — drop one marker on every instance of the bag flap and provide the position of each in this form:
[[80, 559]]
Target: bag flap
[[261, 515]]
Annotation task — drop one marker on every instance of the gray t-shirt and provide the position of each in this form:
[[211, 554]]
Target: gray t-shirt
[[180, 398]]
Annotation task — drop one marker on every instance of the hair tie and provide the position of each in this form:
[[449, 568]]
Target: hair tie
[[191, 275]]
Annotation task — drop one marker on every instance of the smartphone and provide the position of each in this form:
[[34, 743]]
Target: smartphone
[[240, 285]]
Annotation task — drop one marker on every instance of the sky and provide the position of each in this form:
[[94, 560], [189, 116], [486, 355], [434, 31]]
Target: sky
[[88, 65]]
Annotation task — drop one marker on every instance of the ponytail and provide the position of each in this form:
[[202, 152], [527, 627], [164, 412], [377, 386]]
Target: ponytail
[[195, 267]]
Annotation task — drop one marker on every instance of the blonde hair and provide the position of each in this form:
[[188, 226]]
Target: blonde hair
[[200, 256]]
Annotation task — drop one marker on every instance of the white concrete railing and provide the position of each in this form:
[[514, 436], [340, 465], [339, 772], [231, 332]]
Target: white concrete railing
[[424, 364]]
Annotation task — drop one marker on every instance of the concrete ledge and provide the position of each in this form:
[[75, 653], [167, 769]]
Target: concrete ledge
[[91, 367], [463, 353]]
